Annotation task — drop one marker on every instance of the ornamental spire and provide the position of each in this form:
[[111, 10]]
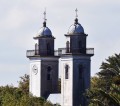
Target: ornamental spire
[[76, 10], [44, 23], [76, 19]]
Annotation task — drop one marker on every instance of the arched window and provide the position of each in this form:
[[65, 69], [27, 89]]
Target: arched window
[[36, 49], [81, 71], [67, 47], [66, 72], [49, 73]]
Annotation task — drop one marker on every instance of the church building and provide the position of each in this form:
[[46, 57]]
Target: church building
[[73, 62]]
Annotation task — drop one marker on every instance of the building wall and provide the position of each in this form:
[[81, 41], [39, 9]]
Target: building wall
[[39, 85], [66, 84], [73, 87], [49, 86], [44, 45], [35, 80], [78, 43], [81, 79]]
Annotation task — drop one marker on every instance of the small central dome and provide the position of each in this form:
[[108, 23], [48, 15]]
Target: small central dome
[[44, 31], [76, 28]]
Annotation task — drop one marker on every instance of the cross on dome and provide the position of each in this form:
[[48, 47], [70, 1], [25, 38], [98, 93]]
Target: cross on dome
[[76, 10], [45, 15], [44, 23], [76, 19]]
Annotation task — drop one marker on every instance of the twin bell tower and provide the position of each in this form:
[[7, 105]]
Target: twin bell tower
[[72, 62]]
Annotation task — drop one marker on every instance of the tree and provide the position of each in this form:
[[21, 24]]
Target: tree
[[105, 90], [19, 96], [110, 69], [24, 83]]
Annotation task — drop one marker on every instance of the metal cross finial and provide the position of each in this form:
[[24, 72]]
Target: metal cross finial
[[76, 12], [45, 15]]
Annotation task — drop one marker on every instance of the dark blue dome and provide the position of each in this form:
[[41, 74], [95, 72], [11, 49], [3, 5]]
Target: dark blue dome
[[76, 28], [44, 31]]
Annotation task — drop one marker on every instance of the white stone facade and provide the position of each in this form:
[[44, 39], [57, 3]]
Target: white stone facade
[[35, 78], [39, 85], [66, 84], [71, 87]]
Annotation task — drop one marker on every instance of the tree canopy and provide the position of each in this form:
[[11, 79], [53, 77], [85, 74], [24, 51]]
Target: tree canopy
[[105, 87], [19, 96]]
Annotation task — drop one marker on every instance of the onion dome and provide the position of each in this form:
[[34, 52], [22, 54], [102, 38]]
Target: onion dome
[[76, 28], [44, 31]]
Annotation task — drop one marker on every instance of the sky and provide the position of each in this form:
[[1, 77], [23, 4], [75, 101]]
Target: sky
[[20, 20]]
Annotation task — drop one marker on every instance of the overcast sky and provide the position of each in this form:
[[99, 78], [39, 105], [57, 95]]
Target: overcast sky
[[20, 20]]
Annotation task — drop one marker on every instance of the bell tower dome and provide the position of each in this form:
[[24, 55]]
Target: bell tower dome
[[76, 38], [45, 46]]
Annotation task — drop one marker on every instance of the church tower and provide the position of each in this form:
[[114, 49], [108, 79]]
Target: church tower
[[43, 64], [75, 63]]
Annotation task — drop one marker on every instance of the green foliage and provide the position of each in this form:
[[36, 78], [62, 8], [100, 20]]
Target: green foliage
[[19, 96], [24, 84], [105, 88]]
